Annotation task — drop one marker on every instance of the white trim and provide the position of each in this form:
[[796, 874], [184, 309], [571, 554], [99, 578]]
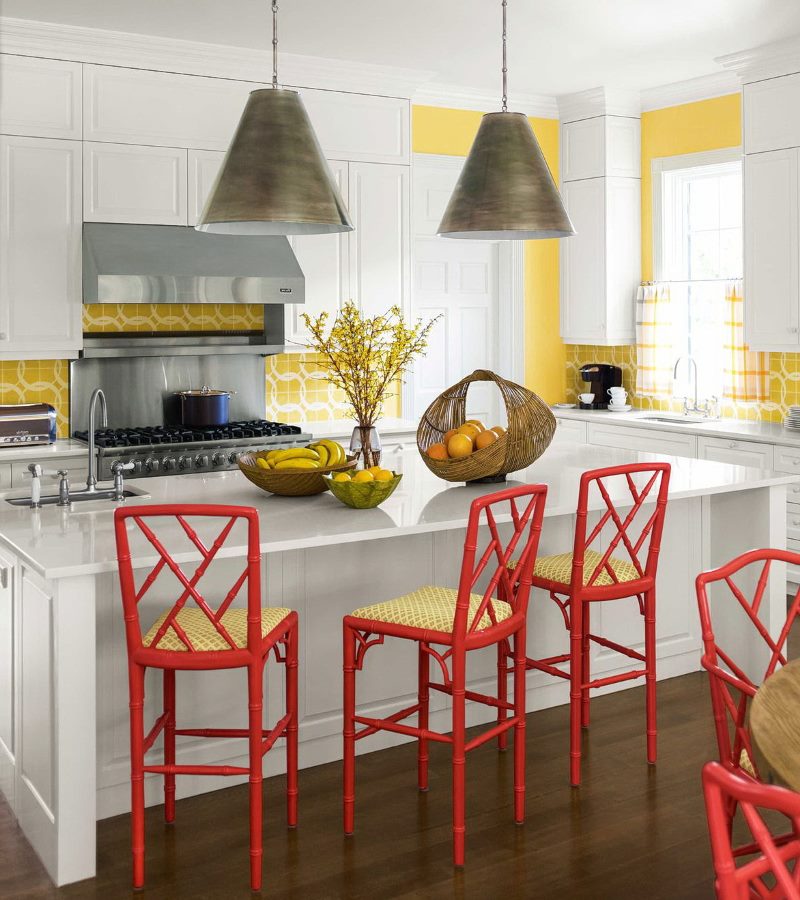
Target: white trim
[[453, 96], [598, 101], [766, 61], [717, 84]]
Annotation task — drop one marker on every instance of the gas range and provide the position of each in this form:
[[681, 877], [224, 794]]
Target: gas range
[[178, 450]]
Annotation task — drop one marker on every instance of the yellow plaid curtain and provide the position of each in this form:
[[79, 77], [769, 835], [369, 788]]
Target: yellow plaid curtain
[[745, 372], [653, 341]]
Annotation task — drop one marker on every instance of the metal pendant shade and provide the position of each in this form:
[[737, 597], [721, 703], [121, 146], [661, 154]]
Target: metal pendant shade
[[274, 178], [505, 191]]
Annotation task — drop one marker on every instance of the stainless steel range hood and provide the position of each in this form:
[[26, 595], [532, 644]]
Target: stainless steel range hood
[[176, 264]]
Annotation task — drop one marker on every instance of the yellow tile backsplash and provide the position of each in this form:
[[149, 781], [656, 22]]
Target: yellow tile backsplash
[[784, 383], [37, 381], [110, 317]]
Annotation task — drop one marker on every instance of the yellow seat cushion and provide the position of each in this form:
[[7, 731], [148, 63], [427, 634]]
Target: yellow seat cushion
[[559, 568], [430, 608], [204, 636], [746, 765]]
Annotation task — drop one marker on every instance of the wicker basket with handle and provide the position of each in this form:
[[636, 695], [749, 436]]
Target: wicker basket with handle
[[531, 426]]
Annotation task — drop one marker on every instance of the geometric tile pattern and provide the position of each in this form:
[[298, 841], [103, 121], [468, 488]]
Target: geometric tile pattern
[[110, 317], [37, 381]]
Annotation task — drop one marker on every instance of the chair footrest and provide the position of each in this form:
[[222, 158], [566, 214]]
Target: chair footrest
[[374, 725], [472, 695], [613, 645], [546, 665], [197, 770], [219, 732], [615, 679]]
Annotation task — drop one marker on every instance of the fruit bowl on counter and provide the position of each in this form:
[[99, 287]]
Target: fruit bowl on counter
[[296, 471], [366, 489]]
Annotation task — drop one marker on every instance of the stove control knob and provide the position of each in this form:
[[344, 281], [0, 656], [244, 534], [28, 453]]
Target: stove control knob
[[185, 462], [169, 463], [219, 459], [233, 458], [138, 468], [151, 464], [201, 460]]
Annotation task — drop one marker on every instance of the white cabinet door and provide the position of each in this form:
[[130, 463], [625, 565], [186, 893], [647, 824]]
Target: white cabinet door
[[583, 149], [325, 264], [770, 120], [40, 248], [379, 247], [8, 680], [771, 250], [739, 453], [569, 431], [204, 165], [644, 439], [583, 268], [40, 97], [623, 258], [137, 185]]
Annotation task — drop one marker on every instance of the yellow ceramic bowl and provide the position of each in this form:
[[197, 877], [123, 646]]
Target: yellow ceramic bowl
[[362, 494]]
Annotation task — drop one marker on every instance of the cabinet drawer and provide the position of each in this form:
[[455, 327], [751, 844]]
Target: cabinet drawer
[[649, 441], [568, 431], [20, 476], [793, 522], [787, 459], [5, 476], [739, 453]]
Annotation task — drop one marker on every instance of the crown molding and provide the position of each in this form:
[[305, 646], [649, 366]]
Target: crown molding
[[453, 96], [717, 84], [766, 61], [599, 101], [26, 37]]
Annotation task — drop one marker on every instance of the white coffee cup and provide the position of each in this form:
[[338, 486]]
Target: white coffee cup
[[586, 398], [617, 392]]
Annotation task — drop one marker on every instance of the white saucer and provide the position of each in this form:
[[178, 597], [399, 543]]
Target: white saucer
[[564, 406], [626, 408]]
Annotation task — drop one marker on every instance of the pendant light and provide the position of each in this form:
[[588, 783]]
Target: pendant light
[[274, 178], [505, 190]]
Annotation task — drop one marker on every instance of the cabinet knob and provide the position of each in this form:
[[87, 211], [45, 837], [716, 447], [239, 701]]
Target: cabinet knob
[[3, 335], [793, 330], [4, 577], [732, 445]]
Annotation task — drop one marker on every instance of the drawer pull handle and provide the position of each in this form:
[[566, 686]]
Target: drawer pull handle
[[793, 330], [4, 578], [732, 445]]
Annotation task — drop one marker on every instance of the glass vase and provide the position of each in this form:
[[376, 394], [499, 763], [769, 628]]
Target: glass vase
[[365, 443]]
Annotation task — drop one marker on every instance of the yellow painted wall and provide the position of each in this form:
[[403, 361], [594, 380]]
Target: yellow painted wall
[[451, 132]]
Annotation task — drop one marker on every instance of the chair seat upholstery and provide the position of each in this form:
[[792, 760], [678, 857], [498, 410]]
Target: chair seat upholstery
[[205, 637], [559, 568], [430, 608]]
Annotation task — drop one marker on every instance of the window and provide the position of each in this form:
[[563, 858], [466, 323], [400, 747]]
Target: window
[[697, 232]]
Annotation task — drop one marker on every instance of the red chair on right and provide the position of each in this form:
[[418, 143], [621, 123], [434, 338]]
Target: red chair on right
[[724, 788]]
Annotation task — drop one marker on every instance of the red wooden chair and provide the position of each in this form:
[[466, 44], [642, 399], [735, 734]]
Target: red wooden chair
[[203, 635], [591, 574], [459, 621], [731, 687], [724, 788]]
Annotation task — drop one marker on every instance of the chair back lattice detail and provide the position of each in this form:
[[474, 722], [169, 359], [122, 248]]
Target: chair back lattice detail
[[778, 859], [731, 687], [641, 549], [144, 518], [512, 586]]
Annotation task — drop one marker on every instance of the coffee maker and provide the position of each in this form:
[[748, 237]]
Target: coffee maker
[[600, 377]]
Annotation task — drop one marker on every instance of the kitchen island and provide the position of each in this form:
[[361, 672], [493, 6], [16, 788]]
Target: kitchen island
[[63, 668]]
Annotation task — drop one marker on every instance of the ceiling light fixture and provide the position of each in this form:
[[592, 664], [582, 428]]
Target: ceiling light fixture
[[274, 178], [505, 190]]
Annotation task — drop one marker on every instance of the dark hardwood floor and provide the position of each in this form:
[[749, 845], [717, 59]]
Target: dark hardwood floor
[[630, 832]]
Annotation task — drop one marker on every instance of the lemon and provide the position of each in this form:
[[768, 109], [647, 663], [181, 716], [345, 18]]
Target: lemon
[[363, 476], [374, 469], [384, 475], [342, 476]]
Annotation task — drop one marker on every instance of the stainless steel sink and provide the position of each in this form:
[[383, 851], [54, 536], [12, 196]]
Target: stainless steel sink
[[676, 420], [102, 495]]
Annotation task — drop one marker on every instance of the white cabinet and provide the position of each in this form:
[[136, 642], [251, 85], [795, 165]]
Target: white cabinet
[[204, 166], [738, 453], [380, 266], [324, 259], [770, 120], [644, 439], [40, 97], [5, 476], [601, 145], [771, 250], [7, 679], [138, 185], [569, 431], [600, 264], [40, 248]]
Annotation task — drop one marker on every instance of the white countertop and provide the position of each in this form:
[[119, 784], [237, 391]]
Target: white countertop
[[63, 542], [764, 432], [63, 447]]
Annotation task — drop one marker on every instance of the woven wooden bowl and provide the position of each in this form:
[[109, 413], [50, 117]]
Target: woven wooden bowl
[[288, 483], [531, 426]]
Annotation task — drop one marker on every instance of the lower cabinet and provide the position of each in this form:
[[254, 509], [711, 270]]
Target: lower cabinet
[[644, 439], [569, 431], [740, 453]]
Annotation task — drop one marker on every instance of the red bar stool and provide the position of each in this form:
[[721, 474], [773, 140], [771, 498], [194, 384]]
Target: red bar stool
[[200, 637], [458, 621], [731, 687], [590, 574], [724, 789]]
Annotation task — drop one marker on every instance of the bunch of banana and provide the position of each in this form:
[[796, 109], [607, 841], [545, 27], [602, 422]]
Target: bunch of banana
[[319, 455]]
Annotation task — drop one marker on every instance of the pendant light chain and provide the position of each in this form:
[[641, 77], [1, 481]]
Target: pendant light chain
[[274, 44], [504, 107]]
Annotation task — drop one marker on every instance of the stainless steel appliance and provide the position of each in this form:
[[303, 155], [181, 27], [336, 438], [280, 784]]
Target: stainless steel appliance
[[600, 377], [27, 423], [143, 413]]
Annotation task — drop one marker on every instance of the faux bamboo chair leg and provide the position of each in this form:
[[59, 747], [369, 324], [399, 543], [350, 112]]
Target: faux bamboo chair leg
[[502, 690], [650, 678], [348, 729], [136, 679], [169, 744], [459, 758], [585, 664], [520, 668], [291, 729], [423, 698], [575, 690], [255, 678]]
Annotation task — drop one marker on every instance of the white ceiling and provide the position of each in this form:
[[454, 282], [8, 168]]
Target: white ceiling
[[555, 46]]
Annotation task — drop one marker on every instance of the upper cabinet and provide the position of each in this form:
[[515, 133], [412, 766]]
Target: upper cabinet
[[204, 166], [40, 248], [770, 120], [40, 97], [600, 265]]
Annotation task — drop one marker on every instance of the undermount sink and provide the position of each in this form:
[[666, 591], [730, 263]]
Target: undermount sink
[[104, 494], [676, 420]]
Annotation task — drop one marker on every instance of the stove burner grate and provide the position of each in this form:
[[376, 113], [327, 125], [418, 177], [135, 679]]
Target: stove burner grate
[[179, 434]]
